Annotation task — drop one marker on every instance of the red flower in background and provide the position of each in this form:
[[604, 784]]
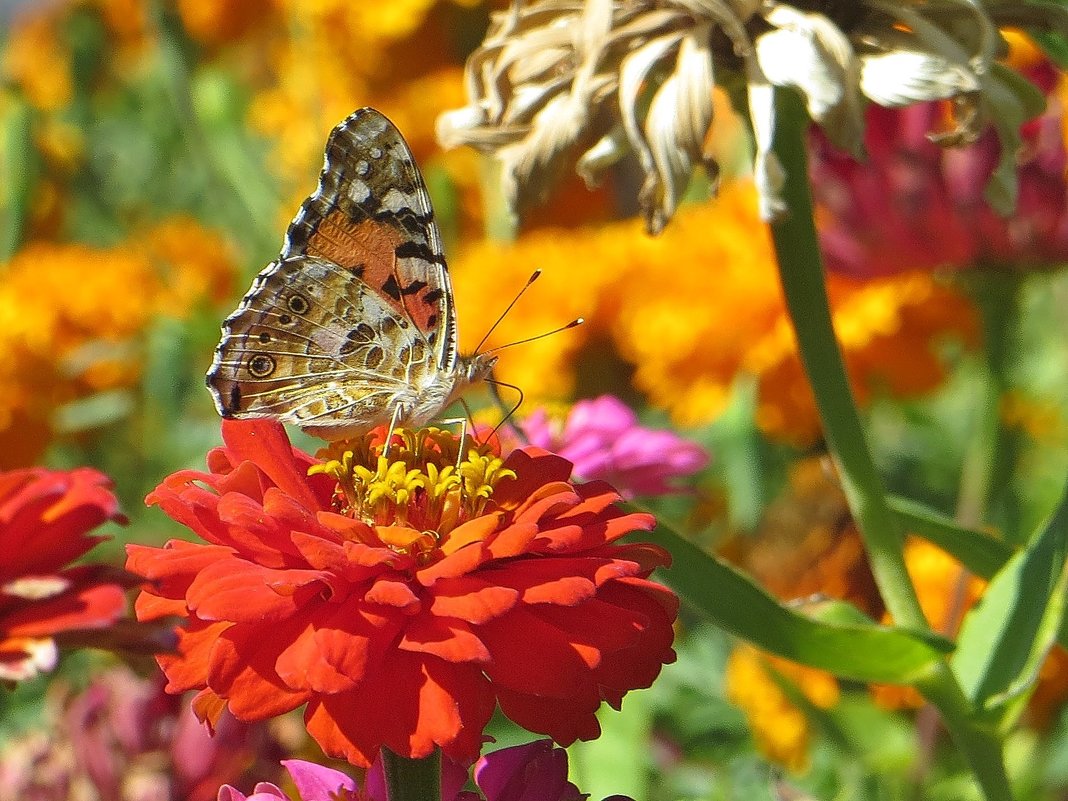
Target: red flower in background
[[401, 599], [913, 204], [45, 520]]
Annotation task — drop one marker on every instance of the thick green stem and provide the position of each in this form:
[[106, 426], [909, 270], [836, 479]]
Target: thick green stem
[[990, 456], [801, 273], [412, 779]]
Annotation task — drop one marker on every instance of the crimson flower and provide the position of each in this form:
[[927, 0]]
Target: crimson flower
[[603, 440], [915, 205], [45, 520], [401, 598]]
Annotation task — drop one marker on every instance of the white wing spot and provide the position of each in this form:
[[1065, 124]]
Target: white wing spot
[[375, 152], [359, 191], [395, 200], [362, 167]]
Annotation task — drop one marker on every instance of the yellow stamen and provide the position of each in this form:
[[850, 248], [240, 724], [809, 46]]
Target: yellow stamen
[[417, 494]]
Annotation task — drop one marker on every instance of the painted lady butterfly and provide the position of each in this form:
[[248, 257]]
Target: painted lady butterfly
[[353, 325]]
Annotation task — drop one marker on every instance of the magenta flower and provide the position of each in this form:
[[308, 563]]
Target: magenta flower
[[319, 783], [536, 771], [913, 205], [603, 440]]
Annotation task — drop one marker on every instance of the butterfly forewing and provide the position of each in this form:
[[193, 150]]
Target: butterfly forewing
[[372, 215]]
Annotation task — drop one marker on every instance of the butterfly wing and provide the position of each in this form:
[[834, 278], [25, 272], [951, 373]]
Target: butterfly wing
[[308, 347], [355, 318], [371, 214]]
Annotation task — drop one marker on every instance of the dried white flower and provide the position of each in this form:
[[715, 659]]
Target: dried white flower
[[556, 75]]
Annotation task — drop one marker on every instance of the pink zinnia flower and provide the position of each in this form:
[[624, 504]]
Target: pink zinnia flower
[[535, 771], [603, 440]]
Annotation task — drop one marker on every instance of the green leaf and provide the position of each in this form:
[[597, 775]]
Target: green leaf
[[980, 553], [1005, 638], [855, 650], [17, 167]]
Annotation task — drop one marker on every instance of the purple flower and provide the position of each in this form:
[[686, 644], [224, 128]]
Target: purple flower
[[603, 440], [536, 771]]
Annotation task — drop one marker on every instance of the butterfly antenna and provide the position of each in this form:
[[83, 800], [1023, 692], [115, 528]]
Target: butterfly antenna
[[533, 277], [573, 324]]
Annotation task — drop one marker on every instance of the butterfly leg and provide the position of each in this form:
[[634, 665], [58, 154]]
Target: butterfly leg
[[462, 422], [398, 412]]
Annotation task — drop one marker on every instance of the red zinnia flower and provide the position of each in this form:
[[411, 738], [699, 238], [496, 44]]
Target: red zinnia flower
[[401, 598], [45, 520]]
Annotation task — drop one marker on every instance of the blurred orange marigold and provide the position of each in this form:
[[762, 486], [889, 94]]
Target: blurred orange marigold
[[697, 306], [780, 729], [71, 316]]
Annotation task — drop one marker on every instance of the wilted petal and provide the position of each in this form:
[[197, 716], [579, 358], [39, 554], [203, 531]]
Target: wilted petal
[[633, 73], [676, 126], [609, 149], [768, 174], [529, 163], [903, 77], [809, 52]]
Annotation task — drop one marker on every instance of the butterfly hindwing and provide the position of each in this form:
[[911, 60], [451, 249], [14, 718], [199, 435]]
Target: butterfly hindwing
[[371, 215], [308, 346]]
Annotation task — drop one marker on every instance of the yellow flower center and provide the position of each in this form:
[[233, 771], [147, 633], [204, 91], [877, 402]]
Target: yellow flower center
[[418, 492]]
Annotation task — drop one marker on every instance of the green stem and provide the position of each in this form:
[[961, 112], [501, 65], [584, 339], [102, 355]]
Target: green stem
[[412, 779], [801, 273], [989, 459], [18, 163]]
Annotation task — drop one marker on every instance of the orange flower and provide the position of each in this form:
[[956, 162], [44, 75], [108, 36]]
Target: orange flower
[[399, 598], [780, 729], [72, 319], [695, 308], [221, 21], [36, 59], [45, 520]]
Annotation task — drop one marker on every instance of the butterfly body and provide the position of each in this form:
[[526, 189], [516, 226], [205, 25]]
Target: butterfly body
[[353, 325]]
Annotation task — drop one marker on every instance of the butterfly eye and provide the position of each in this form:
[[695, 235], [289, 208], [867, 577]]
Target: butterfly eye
[[261, 365]]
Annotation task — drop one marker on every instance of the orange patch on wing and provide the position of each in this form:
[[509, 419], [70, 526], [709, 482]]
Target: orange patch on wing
[[367, 244], [369, 249]]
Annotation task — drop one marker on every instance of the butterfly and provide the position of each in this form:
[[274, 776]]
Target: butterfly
[[353, 325]]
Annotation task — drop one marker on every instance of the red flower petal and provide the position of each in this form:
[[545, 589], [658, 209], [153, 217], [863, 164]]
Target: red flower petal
[[266, 445], [452, 640], [394, 638], [472, 599], [45, 517], [241, 669]]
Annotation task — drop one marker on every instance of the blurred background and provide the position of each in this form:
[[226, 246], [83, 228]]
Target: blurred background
[[153, 153]]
